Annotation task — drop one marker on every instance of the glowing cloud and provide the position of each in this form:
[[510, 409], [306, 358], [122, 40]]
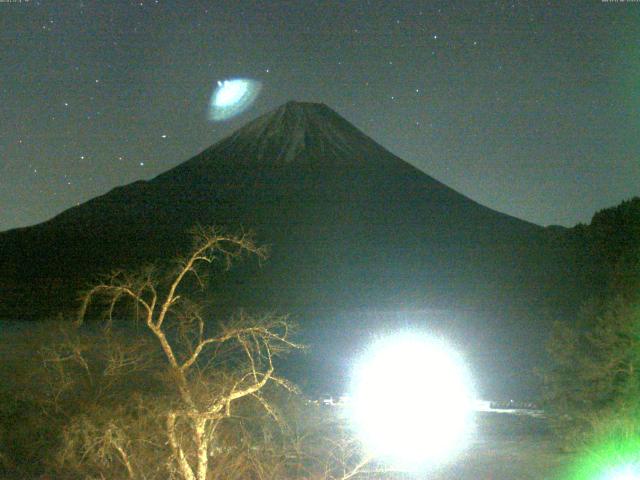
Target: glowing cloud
[[411, 401], [232, 97]]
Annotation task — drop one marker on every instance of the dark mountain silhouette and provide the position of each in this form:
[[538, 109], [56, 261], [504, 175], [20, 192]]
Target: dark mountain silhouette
[[359, 239]]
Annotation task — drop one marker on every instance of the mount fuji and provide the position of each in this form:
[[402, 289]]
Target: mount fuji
[[359, 239]]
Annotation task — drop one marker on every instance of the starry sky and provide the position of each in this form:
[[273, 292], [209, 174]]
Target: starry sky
[[531, 108]]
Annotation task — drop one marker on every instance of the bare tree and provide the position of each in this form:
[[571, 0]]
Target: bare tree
[[171, 394], [208, 373]]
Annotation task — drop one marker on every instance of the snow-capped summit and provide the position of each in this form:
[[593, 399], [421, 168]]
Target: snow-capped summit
[[298, 132]]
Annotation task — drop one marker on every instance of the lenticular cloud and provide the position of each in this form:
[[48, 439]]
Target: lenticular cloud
[[232, 97]]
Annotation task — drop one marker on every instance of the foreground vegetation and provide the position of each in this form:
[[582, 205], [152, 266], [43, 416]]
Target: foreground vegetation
[[143, 385], [592, 388], [146, 383]]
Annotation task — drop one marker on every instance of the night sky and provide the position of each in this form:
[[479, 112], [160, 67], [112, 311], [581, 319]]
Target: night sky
[[531, 108]]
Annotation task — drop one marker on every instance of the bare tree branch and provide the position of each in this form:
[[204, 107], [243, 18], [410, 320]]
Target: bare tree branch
[[239, 359]]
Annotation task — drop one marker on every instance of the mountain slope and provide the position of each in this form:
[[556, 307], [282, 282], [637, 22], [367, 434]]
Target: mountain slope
[[351, 228]]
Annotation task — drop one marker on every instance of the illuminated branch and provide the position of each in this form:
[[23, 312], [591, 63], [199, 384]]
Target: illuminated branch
[[257, 340]]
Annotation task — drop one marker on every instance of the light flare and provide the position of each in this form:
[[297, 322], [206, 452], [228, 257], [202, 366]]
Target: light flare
[[623, 472], [412, 401]]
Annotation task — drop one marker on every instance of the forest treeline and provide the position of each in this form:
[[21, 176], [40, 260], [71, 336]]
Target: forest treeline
[[592, 385]]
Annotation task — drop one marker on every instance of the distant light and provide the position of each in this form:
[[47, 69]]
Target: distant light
[[411, 401], [232, 97]]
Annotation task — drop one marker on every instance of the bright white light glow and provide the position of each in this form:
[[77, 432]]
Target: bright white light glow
[[624, 472], [411, 401], [232, 97]]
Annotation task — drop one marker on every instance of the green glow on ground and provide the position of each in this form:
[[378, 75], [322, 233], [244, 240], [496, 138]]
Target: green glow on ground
[[617, 459]]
